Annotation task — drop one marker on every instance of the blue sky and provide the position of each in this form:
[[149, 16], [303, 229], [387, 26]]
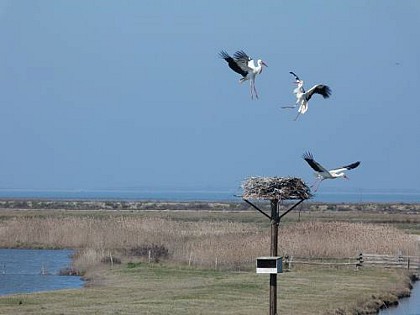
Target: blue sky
[[132, 94]]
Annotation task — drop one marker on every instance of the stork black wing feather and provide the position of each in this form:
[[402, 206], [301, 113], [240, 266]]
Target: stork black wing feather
[[292, 73], [240, 54], [351, 166], [232, 63], [224, 55], [321, 89], [308, 157], [324, 90]]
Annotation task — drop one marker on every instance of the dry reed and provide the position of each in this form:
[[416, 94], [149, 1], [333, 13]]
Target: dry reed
[[221, 244]]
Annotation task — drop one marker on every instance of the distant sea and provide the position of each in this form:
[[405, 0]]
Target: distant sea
[[200, 195]]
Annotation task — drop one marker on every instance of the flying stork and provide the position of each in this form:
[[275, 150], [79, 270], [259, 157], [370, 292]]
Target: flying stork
[[244, 65], [303, 97], [321, 173]]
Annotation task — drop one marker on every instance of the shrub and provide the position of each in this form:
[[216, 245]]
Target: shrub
[[152, 252]]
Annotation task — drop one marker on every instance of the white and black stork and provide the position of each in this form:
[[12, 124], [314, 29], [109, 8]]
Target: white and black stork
[[244, 65], [303, 97], [321, 173]]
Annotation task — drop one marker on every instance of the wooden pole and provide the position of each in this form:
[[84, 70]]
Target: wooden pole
[[273, 252], [275, 222], [258, 209]]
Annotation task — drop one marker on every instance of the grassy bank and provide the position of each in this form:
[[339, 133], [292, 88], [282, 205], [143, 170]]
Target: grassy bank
[[202, 262], [167, 289]]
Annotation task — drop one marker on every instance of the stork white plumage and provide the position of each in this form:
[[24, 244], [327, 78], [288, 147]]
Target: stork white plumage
[[244, 65], [321, 173], [303, 97]]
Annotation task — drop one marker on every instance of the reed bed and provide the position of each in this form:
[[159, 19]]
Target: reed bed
[[345, 239], [220, 244]]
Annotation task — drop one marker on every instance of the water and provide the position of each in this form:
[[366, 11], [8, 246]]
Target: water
[[21, 271], [164, 195], [200, 195], [408, 306], [367, 197]]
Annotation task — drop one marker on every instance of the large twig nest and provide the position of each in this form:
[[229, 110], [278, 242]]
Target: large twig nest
[[282, 188]]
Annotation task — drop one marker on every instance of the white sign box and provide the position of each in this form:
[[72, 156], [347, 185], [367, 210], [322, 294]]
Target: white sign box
[[269, 264]]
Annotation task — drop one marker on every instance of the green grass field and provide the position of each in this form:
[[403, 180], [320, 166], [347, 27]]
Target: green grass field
[[166, 289]]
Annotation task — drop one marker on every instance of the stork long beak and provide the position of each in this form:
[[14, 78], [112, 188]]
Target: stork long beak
[[346, 177], [264, 63]]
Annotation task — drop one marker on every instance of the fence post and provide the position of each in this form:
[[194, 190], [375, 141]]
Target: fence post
[[360, 260], [286, 263]]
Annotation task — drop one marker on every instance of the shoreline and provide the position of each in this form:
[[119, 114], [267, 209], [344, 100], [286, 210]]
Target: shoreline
[[391, 301], [110, 204], [179, 195]]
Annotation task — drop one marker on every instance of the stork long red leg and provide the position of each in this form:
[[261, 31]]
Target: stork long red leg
[[318, 183], [255, 90]]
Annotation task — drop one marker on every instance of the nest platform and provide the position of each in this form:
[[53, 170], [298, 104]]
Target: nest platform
[[281, 188]]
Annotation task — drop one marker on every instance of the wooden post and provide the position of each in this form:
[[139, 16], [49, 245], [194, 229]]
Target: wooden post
[[275, 219], [273, 252]]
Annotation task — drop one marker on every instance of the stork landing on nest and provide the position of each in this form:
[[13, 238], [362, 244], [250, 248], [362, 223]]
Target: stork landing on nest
[[321, 173]]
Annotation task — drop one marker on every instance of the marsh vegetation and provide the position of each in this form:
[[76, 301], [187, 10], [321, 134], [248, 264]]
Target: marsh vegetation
[[214, 251]]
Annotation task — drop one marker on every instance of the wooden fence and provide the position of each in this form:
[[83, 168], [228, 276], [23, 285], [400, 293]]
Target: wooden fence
[[362, 260]]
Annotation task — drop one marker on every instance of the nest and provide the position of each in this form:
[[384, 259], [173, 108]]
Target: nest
[[282, 188]]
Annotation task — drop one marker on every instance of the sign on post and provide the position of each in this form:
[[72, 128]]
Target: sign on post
[[270, 265]]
